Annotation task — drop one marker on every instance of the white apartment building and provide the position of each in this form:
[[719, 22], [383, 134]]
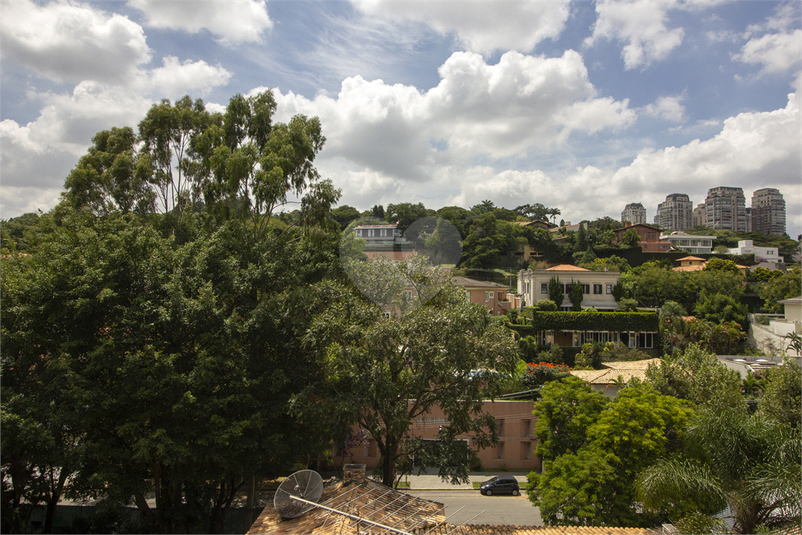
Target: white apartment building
[[768, 212], [676, 213], [634, 213]]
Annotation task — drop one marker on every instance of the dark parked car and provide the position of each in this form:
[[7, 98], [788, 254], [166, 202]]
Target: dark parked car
[[500, 485]]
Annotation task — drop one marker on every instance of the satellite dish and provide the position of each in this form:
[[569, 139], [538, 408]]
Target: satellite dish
[[306, 484]]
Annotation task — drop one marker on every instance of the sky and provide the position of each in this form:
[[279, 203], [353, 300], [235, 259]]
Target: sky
[[583, 106]]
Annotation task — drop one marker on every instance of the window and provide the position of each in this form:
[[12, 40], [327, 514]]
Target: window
[[527, 428], [359, 232], [384, 232], [526, 450], [609, 289], [370, 233], [500, 450], [544, 288], [646, 340], [501, 296], [501, 428], [488, 296], [387, 315], [597, 289], [586, 289]]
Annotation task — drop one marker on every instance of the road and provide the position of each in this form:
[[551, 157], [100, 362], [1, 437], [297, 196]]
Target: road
[[472, 508]]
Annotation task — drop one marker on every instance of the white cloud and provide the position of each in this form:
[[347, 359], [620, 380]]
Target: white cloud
[[642, 25], [752, 150], [176, 78], [71, 42], [778, 53], [668, 108], [482, 27], [232, 21], [477, 110]]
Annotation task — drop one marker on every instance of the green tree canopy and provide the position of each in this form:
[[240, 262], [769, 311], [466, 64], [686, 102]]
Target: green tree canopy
[[564, 413], [385, 372]]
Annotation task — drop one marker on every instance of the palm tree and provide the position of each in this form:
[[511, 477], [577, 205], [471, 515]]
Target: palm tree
[[749, 463]]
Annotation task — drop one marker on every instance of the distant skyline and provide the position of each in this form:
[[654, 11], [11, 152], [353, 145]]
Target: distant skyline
[[583, 106]]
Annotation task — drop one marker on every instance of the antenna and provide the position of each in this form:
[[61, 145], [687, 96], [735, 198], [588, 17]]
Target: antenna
[[305, 484]]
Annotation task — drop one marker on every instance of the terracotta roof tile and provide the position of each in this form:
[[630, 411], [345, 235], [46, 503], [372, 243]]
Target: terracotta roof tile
[[566, 267]]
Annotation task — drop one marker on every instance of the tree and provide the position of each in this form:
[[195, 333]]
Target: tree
[[576, 293], [781, 400], [699, 377], [566, 410], [630, 238], [488, 240], [719, 308], [109, 177], [750, 463], [385, 372], [404, 214], [783, 287], [345, 214], [169, 134], [556, 293], [595, 486]]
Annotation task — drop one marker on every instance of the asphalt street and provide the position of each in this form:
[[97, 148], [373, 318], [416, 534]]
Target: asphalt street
[[465, 507]]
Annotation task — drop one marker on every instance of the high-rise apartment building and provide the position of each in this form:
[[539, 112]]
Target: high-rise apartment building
[[768, 211], [634, 213], [725, 209], [676, 213], [699, 217]]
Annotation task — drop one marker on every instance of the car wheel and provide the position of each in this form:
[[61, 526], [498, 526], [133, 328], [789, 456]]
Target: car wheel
[[515, 492], [488, 492]]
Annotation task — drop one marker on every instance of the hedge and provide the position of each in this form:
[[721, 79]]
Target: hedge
[[586, 321]]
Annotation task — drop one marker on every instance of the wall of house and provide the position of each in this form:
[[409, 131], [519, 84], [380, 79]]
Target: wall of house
[[530, 282], [515, 451]]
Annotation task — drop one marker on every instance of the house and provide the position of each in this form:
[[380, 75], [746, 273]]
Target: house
[[378, 234], [767, 257], [516, 433], [689, 242], [694, 263], [609, 380], [690, 263], [769, 332], [491, 294], [533, 285], [649, 238]]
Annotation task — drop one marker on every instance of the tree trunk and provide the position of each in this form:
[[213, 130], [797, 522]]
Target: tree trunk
[[52, 501]]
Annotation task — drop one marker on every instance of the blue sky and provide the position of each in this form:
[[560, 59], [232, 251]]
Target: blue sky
[[584, 106]]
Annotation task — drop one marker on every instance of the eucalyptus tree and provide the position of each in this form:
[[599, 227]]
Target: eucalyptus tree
[[168, 134], [256, 166], [110, 176]]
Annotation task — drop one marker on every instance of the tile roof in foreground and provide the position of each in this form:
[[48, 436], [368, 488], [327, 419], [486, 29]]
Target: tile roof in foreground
[[373, 501], [486, 529]]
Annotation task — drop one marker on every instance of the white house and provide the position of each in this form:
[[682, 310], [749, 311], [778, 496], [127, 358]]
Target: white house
[[762, 254], [533, 285], [689, 242]]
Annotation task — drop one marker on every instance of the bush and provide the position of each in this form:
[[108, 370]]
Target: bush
[[546, 305], [543, 372]]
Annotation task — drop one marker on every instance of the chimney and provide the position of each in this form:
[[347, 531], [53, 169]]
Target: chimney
[[354, 472]]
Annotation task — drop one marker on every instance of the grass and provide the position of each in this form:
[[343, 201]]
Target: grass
[[476, 484], [403, 485]]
